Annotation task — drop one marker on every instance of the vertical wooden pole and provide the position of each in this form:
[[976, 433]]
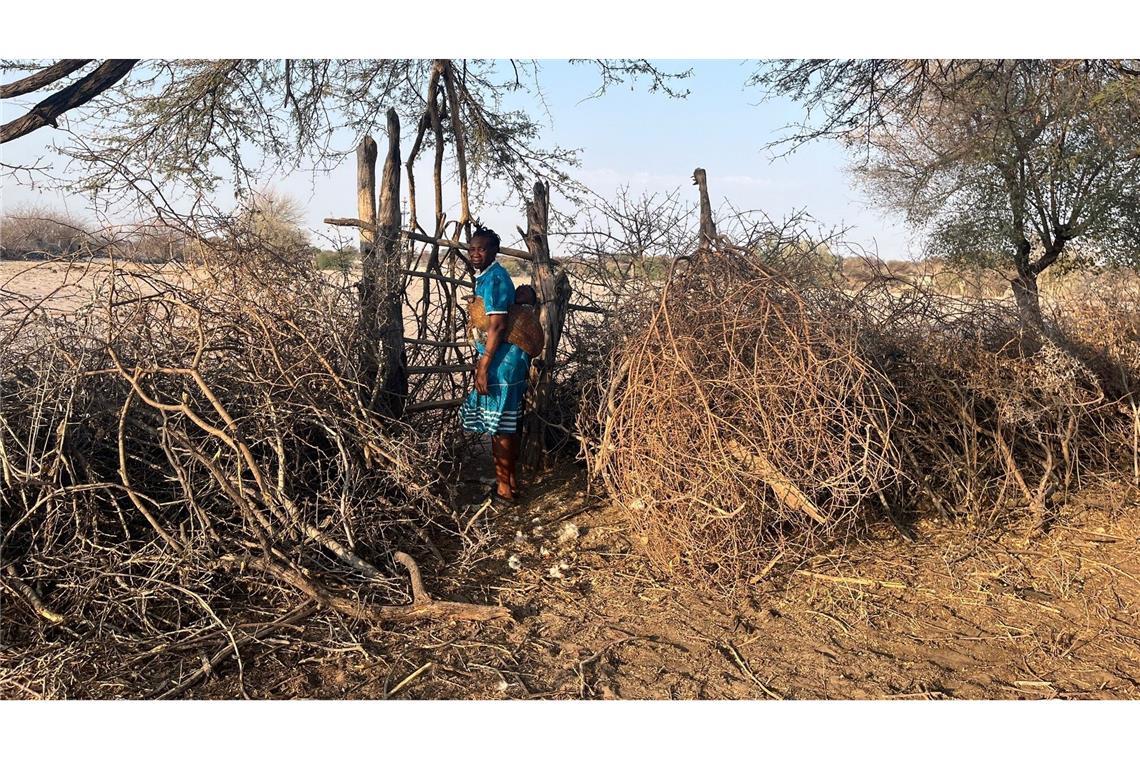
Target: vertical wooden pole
[[366, 212], [553, 289], [393, 385], [708, 229], [383, 360], [366, 192]]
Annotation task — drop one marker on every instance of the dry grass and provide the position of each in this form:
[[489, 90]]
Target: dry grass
[[996, 418]]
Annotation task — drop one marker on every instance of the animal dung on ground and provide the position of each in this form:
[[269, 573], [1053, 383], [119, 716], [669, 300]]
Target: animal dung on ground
[[567, 532]]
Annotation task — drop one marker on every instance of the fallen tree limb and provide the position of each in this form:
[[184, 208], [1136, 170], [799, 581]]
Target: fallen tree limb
[[422, 606], [784, 489], [852, 580], [209, 664]]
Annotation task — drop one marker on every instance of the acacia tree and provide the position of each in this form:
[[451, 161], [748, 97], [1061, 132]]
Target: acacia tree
[[1009, 163], [275, 219], [141, 128]]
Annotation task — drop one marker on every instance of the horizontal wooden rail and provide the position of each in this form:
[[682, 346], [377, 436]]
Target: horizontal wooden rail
[[441, 369], [435, 343], [429, 405], [434, 276], [590, 309], [339, 222], [515, 252]]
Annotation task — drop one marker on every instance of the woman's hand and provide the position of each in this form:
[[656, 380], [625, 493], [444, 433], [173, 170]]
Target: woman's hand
[[496, 336], [482, 384]]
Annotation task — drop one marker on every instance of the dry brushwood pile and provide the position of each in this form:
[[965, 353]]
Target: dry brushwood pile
[[737, 426], [999, 419], [176, 454], [747, 416]]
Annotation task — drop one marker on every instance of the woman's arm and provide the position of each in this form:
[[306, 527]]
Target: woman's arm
[[496, 334]]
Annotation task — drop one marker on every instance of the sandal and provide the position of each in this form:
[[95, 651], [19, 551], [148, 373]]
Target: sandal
[[499, 501]]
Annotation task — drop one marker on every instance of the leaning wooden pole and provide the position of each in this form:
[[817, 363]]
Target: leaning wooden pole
[[384, 373], [553, 289]]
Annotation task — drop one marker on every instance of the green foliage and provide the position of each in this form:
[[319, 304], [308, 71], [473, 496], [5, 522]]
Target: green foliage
[[1017, 164], [340, 261], [1037, 153], [197, 124]]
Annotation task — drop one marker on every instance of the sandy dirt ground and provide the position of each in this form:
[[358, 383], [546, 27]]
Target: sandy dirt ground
[[947, 614]]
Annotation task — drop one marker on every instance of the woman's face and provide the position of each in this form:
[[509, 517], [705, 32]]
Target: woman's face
[[480, 254]]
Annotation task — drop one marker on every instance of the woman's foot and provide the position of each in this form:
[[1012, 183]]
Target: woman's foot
[[498, 500]]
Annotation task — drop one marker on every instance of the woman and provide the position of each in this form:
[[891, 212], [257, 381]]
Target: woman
[[495, 406]]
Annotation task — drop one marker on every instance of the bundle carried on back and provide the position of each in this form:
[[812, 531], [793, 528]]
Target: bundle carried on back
[[523, 327]]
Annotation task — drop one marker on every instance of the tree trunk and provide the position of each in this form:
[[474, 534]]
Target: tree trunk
[[384, 374], [553, 289], [1025, 291], [1028, 298]]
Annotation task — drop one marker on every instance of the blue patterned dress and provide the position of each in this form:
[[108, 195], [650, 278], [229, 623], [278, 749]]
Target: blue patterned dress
[[500, 411]]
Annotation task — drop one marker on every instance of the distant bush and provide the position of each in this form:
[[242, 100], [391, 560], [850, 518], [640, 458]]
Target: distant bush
[[42, 233], [35, 232], [341, 260], [515, 267]]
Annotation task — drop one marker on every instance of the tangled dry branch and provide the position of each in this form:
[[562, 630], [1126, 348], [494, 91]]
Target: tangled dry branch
[[186, 454], [736, 425], [754, 408]]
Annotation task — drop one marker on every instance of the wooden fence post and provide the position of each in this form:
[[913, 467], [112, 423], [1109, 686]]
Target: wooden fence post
[[708, 229], [553, 289], [366, 192], [383, 358]]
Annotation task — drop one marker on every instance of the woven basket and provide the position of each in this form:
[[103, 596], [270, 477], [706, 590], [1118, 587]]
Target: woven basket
[[523, 328], [476, 316]]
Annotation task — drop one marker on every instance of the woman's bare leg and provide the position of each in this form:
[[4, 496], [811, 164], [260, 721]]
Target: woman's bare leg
[[513, 443], [504, 454]]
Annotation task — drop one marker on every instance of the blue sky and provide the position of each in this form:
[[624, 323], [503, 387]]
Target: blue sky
[[628, 137]]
